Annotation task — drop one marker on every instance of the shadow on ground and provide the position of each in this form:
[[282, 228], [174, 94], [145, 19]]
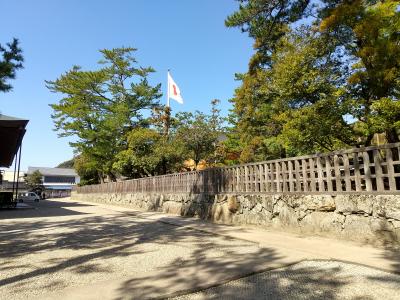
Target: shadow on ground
[[81, 240], [391, 246], [77, 240], [43, 208], [288, 283]]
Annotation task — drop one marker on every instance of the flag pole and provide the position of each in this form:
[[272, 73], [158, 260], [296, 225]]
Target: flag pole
[[168, 88], [167, 110]]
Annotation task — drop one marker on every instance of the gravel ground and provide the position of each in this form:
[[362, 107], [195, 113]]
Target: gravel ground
[[308, 280], [63, 244]]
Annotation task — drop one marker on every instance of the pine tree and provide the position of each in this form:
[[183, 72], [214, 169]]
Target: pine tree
[[10, 62]]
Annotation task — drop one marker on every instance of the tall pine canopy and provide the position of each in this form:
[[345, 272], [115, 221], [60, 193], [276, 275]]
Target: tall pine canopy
[[324, 75], [11, 60]]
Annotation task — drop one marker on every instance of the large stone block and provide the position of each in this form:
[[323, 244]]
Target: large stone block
[[216, 212], [244, 202], [195, 209], [392, 207], [221, 213], [294, 201], [322, 222], [205, 210], [286, 214], [371, 230], [354, 204], [172, 207], [233, 204], [252, 200], [301, 212], [395, 224], [357, 226], [379, 224], [258, 208], [268, 203], [325, 203], [259, 219], [311, 202], [226, 214]]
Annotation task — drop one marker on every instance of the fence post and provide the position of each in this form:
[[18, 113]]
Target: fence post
[[346, 172], [357, 176], [278, 174], [378, 171], [305, 177], [328, 169], [267, 180], [284, 177], [337, 173], [390, 169], [321, 185], [291, 178], [312, 175]]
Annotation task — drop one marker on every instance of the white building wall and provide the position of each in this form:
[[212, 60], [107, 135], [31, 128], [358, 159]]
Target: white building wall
[[9, 176]]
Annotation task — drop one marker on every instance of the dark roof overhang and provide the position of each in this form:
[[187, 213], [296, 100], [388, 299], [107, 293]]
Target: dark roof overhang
[[12, 131]]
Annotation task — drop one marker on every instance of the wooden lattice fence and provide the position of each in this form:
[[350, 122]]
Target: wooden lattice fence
[[374, 170]]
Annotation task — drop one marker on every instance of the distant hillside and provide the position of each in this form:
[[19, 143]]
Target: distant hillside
[[69, 164]]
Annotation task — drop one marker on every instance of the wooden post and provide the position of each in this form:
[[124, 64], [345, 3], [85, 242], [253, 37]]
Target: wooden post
[[267, 180], [277, 177], [321, 185], [262, 178], [357, 176], [390, 169], [378, 171], [312, 174], [305, 177], [284, 177], [346, 172], [328, 169], [338, 176], [297, 174]]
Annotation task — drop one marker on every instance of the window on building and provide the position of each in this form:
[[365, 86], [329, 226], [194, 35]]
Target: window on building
[[59, 179]]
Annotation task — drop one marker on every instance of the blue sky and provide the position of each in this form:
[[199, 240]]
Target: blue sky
[[189, 37]]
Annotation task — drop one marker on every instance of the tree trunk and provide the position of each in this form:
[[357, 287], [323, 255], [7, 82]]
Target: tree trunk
[[392, 136], [282, 152], [368, 140], [167, 121], [196, 163], [101, 177]]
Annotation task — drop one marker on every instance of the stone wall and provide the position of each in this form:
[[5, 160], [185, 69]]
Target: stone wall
[[373, 219]]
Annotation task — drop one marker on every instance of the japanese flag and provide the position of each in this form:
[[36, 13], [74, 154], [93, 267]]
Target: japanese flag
[[174, 91]]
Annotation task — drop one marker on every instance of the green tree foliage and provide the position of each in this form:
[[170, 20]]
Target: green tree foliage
[[191, 136], [304, 91], [266, 21], [304, 79], [34, 180], [100, 108], [385, 117], [369, 31], [10, 62], [149, 153], [199, 133], [295, 106], [87, 169], [255, 113]]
